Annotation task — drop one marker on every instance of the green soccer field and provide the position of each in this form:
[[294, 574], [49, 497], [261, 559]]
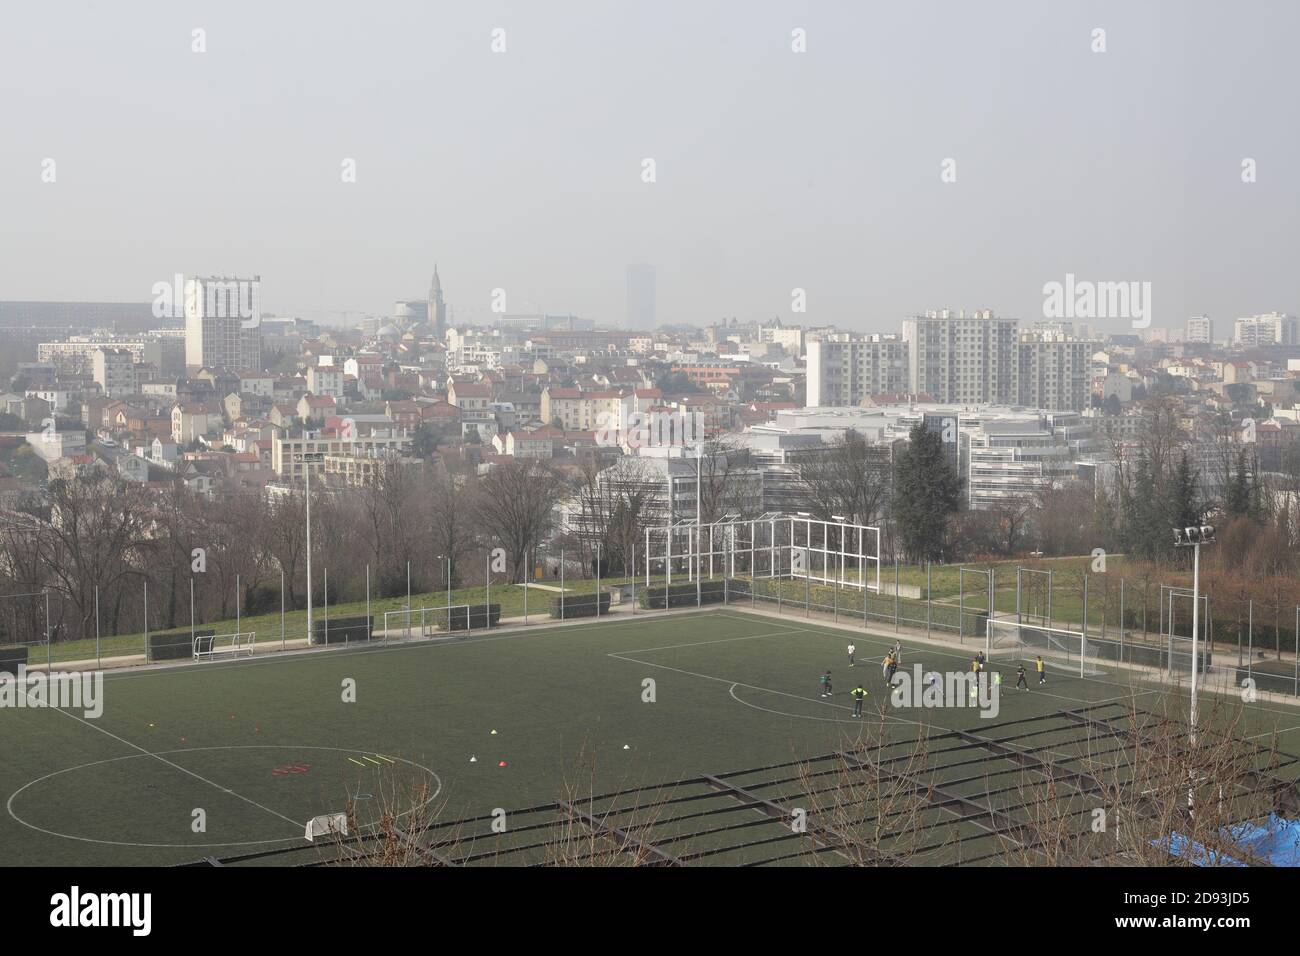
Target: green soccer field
[[260, 746]]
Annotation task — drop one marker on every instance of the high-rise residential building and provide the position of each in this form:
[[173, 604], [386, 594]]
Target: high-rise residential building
[[114, 371], [956, 358], [223, 322], [1272, 328], [1053, 372], [437, 311], [640, 297], [1200, 328], [843, 369]]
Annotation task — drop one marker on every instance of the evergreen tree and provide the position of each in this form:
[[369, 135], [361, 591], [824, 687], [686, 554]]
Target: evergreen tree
[[1183, 506], [927, 491], [1240, 498], [1103, 520], [1145, 534]]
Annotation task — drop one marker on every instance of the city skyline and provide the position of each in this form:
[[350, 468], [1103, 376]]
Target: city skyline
[[763, 183]]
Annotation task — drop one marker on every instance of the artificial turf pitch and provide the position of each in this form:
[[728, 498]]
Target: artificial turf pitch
[[262, 745]]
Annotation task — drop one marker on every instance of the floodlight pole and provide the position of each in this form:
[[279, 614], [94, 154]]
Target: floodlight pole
[[306, 470], [1196, 616], [1193, 538]]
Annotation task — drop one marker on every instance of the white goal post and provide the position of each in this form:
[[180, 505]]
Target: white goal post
[[1008, 638], [421, 622], [332, 825], [237, 644]]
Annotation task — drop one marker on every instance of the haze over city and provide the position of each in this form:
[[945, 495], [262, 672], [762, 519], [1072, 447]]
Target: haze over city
[[522, 168]]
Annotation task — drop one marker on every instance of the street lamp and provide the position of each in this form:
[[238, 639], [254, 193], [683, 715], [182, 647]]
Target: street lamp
[[1193, 538]]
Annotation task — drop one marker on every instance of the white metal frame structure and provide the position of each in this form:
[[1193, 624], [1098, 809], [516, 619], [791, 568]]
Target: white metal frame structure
[[237, 644], [771, 546]]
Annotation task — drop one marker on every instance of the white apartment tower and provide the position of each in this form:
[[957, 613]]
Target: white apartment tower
[[1054, 373], [223, 322], [1200, 328], [962, 359], [114, 371], [843, 369], [1272, 328]]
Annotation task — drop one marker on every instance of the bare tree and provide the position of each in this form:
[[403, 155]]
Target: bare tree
[[849, 478], [515, 507]]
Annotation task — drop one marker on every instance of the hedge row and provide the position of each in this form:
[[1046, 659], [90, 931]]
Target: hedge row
[[582, 605]]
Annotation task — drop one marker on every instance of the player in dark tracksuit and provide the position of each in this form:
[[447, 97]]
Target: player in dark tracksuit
[[826, 684], [1021, 683]]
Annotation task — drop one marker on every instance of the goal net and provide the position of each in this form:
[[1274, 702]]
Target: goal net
[[1060, 649], [422, 622]]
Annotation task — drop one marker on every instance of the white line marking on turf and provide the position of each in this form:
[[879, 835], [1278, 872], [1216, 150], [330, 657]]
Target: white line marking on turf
[[782, 713], [720, 640], [177, 766], [9, 805]]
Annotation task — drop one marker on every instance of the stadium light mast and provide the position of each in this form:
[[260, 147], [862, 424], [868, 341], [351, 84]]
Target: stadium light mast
[[1193, 538], [308, 459]]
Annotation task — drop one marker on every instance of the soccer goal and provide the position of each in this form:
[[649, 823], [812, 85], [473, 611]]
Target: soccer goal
[[1060, 649], [428, 621], [237, 644]]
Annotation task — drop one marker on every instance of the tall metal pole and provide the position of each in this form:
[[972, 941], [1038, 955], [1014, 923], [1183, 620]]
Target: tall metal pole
[[1083, 628], [1196, 619], [306, 470], [597, 579], [97, 662]]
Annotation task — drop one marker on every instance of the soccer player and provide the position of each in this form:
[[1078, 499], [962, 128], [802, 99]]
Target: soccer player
[[890, 669], [853, 649], [858, 693], [1021, 683], [884, 667], [896, 652], [1042, 669], [826, 684]]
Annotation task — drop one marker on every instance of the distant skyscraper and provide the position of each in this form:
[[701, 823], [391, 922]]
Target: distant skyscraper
[[640, 297], [437, 307]]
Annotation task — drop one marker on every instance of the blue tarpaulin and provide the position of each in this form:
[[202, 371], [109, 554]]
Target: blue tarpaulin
[[1276, 841]]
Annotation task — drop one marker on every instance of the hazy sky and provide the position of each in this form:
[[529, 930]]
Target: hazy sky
[[522, 170]]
